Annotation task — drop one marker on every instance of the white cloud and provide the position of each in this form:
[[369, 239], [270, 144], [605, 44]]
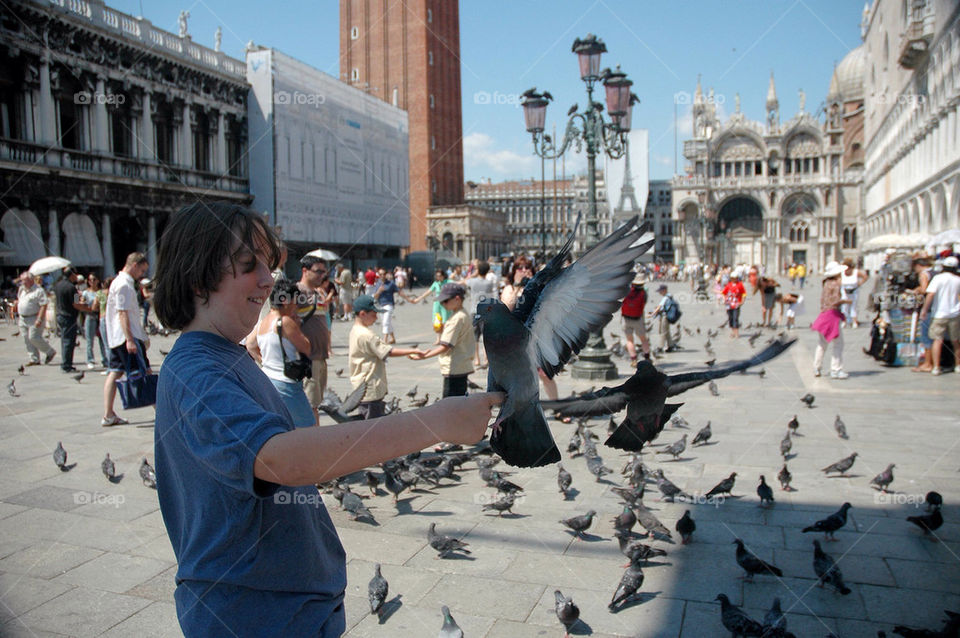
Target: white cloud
[[663, 160], [481, 157]]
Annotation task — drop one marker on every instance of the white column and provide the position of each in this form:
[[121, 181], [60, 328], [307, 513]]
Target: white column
[[109, 267], [221, 155], [54, 227], [152, 241], [145, 139], [101, 137], [48, 125], [186, 141]]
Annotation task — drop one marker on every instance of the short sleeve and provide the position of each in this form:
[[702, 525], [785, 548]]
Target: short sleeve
[[934, 284], [126, 298], [375, 347], [451, 332]]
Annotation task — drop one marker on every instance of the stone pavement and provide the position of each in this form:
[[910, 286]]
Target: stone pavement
[[80, 556]]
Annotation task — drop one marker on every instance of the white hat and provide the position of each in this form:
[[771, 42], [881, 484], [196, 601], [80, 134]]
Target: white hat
[[950, 263], [640, 279], [833, 269]]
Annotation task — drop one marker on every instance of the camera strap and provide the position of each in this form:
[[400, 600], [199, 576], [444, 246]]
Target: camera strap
[[283, 351]]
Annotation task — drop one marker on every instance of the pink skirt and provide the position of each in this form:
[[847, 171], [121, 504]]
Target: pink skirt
[[828, 323]]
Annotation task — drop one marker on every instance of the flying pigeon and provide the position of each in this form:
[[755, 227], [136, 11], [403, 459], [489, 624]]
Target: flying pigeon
[[567, 612], [579, 524], [840, 427], [450, 627], [685, 527], [629, 584], [764, 492], [108, 468], [445, 545], [147, 474], [827, 570], [784, 476], [735, 620], [551, 321], [713, 389], [884, 478], [723, 487], [830, 524], [928, 522], [60, 457], [775, 621], [377, 591], [675, 449], [841, 466], [808, 399], [703, 435], [753, 565]]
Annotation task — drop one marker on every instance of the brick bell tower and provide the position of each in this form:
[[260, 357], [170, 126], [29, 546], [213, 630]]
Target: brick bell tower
[[408, 54]]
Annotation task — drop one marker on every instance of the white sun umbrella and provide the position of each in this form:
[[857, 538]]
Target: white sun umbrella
[[947, 237], [323, 253], [46, 265]]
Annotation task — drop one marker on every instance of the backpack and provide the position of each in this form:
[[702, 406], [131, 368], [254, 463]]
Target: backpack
[[672, 310]]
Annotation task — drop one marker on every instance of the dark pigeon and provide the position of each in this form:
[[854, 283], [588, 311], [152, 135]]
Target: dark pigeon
[[79, 377], [551, 322], [808, 399], [377, 591], [884, 478], [445, 545], [372, 481], [793, 424], [630, 582], [933, 499], [830, 524], [841, 466], [703, 435], [775, 621], [147, 474], [784, 476], [723, 487], [714, 390], [393, 484], [928, 522], [624, 521], [764, 492], [636, 550], [579, 524], [827, 570], [735, 620], [753, 565], [685, 527], [450, 627], [840, 427], [567, 612]]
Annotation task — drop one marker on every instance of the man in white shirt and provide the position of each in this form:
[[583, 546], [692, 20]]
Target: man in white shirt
[[125, 334], [31, 309], [943, 302]]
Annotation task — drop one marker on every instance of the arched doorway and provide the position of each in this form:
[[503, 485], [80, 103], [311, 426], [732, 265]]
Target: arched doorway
[[740, 231]]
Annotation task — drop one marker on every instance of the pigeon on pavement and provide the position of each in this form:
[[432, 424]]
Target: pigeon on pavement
[[753, 565], [649, 521], [808, 399], [21, 370], [685, 527], [928, 522], [775, 621], [830, 524], [675, 449], [624, 521], [723, 487], [884, 478], [735, 620], [445, 545], [630, 582], [786, 444], [933, 499], [564, 479], [147, 474], [713, 389], [636, 550], [450, 627], [764, 492], [377, 591], [502, 504], [579, 524], [703, 435], [597, 468], [60, 457], [12, 388], [352, 504], [79, 377], [552, 319], [108, 468], [793, 424], [784, 476], [668, 489], [412, 392], [841, 466], [840, 427], [567, 612], [827, 570]]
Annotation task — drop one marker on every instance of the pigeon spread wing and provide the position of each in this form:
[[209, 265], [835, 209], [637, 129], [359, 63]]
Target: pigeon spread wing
[[682, 382], [353, 399], [563, 307]]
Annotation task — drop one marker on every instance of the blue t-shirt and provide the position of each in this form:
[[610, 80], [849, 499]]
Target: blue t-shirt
[[264, 559], [387, 290]]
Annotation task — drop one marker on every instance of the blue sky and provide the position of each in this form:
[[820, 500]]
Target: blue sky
[[509, 46]]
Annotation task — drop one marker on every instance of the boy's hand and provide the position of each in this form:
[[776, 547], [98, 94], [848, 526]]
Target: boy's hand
[[466, 418], [416, 356]]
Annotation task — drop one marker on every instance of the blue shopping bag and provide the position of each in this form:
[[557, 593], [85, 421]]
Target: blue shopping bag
[[137, 388]]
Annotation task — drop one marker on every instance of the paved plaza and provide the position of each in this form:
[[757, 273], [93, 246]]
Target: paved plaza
[[80, 556]]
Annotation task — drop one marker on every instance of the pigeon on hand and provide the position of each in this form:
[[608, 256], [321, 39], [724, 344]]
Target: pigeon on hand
[[624, 521], [764, 492], [753, 565], [928, 522], [793, 424], [108, 468], [675, 449], [703, 435], [552, 319], [808, 399], [579, 524], [630, 582], [147, 474], [445, 545], [723, 487], [784, 476], [377, 591], [450, 627], [840, 427], [713, 389], [775, 622], [884, 478], [564, 479], [830, 524], [933, 500], [827, 570], [685, 527], [841, 466], [786, 444], [567, 612], [60, 457], [735, 620]]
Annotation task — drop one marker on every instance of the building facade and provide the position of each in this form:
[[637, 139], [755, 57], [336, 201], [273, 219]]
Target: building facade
[[408, 54], [659, 212], [107, 126], [328, 161], [765, 192], [468, 231], [912, 78]]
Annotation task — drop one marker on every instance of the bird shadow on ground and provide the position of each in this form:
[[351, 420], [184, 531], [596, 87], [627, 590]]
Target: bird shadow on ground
[[589, 538], [685, 459], [403, 505], [67, 468], [571, 494], [511, 515], [633, 601], [389, 608], [788, 457], [116, 479], [143, 424], [706, 444], [864, 373], [456, 556], [369, 520], [606, 482], [849, 476], [580, 628]]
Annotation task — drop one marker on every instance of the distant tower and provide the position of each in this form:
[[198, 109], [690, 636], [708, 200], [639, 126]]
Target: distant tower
[[408, 54], [773, 107], [628, 198], [699, 112]]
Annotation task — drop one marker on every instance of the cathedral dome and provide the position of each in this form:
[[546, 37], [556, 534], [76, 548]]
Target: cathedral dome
[[848, 76]]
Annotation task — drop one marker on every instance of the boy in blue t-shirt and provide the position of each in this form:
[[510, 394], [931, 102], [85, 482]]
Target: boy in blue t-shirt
[[256, 550]]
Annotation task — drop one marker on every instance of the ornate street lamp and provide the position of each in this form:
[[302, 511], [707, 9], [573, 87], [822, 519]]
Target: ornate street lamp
[[587, 128]]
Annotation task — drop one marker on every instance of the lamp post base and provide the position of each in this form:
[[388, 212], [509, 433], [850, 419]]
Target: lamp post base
[[593, 362]]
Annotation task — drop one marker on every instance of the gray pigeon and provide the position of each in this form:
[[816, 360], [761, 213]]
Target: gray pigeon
[[377, 591], [636, 550], [668, 489], [884, 478], [723, 487], [551, 321], [764, 492], [841, 466], [412, 392], [573, 447], [786, 445], [567, 612], [60, 457], [713, 389], [775, 622], [827, 570], [564, 479], [650, 522], [502, 504], [445, 545], [147, 474], [450, 627], [579, 524], [685, 527], [108, 468], [830, 524], [703, 435], [352, 504], [12, 388], [784, 476], [624, 521], [840, 427], [808, 399], [753, 565], [596, 467], [630, 582], [735, 620], [675, 449]]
